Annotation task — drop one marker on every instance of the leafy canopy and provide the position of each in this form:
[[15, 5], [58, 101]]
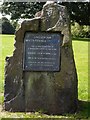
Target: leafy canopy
[[79, 11]]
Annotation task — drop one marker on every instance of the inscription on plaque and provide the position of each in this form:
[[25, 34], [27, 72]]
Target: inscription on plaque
[[41, 51]]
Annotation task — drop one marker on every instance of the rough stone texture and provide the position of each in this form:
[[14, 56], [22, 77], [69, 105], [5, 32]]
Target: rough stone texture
[[14, 75], [49, 92]]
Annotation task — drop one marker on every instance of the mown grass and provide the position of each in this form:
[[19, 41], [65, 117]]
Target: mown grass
[[6, 49], [80, 48]]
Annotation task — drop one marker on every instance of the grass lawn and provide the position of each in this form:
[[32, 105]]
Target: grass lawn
[[80, 48]]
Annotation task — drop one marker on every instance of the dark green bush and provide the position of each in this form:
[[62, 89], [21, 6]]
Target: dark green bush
[[7, 27]]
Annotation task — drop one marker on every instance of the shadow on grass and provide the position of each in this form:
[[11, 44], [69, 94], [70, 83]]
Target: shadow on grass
[[82, 39], [83, 109], [82, 113]]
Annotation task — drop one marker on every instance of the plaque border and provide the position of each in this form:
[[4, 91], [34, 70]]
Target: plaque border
[[50, 32]]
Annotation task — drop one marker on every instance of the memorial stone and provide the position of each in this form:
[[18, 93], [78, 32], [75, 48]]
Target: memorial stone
[[41, 74]]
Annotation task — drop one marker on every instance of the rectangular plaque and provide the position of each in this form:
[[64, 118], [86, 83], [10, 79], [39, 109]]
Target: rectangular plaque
[[41, 51]]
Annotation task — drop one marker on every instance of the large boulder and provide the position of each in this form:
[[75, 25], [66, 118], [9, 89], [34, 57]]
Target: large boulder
[[50, 92]]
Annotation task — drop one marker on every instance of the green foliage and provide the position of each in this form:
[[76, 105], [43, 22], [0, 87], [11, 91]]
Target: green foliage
[[19, 10], [82, 31], [7, 27], [79, 11], [14, 23]]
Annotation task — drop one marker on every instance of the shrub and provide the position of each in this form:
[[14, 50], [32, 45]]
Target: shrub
[[7, 27], [80, 31]]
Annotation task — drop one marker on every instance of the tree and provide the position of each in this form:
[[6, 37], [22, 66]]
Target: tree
[[79, 11], [19, 10], [7, 28]]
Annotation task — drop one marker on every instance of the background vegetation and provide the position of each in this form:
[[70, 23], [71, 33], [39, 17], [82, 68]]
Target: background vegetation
[[80, 31], [78, 11], [7, 27]]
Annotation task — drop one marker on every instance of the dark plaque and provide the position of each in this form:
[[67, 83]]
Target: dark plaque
[[42, 51]]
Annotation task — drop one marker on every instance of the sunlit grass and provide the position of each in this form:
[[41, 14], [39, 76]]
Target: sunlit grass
[[6, 49], [81, 59]]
